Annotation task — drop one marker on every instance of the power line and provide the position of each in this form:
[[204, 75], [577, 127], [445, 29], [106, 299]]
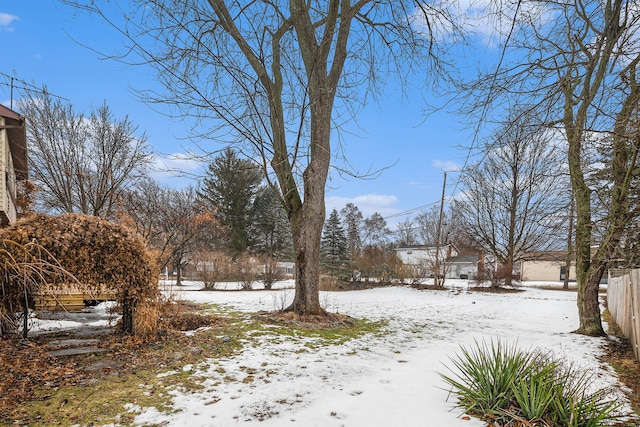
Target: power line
[[419, 208], [25, 86], [410, 211]]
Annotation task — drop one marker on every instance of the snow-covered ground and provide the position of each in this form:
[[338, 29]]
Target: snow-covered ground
[[377, 380], [388, 380]]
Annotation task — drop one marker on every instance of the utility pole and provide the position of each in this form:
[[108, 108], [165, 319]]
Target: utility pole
[[436, 273]]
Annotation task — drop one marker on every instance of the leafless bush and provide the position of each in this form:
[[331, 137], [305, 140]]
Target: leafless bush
[[495, 278], [281, 300], [270, 273], [212, 267], [246, 271], [380, 265], [420, 272]]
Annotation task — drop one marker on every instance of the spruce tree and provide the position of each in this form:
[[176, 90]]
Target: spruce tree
[[270, 230], [334, 250], [353, 222], [229, 188]]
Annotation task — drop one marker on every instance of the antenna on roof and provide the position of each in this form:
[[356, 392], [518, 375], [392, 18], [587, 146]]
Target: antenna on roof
[[28, 87]]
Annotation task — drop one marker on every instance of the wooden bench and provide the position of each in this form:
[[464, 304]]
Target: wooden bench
[[70, 298]]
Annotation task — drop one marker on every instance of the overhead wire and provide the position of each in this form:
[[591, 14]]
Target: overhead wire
[[25, 86]]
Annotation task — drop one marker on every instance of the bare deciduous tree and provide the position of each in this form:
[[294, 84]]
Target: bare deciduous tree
[[406, 233], [577, 61], [375, 231], [427, 229], [81, 164], [511, 198], [277, 77], [172, 222]]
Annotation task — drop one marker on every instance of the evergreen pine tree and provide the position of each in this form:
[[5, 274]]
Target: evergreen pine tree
[[229, 189], [334, 250], [270, 230], [353, 222]]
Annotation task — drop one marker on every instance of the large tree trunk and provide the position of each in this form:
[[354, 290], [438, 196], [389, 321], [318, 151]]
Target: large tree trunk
[[508, 271], [308, 220], [587, 276], [307, 230], [589, 304]]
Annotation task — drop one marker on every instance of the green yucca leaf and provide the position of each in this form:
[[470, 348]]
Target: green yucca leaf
[[499, 382]]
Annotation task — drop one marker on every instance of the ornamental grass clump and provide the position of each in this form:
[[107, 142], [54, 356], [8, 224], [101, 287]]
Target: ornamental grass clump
[[97, 254], [23, 267], [506, 386]]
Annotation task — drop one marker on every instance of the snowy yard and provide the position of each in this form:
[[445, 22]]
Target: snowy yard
[[388, 380]]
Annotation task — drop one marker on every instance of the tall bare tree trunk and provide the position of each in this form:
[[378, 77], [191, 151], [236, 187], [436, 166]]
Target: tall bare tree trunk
[[588, 283], [308, 220], [306, 243], [569, 258]]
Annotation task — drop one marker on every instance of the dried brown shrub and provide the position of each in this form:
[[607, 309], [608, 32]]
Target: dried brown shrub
[[98, 253], [270, 271], [212, 267], [22, 268], [245, 270]]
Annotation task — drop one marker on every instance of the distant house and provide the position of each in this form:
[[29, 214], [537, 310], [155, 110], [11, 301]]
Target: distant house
[[467, 266], [418, 254], [287, 269], [545, 266], [422, 257], [13, 158]]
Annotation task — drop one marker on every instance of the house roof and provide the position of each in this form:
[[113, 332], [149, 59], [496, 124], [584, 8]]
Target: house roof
[[545, 256], [465, 259], [16, 129], [423, 247]]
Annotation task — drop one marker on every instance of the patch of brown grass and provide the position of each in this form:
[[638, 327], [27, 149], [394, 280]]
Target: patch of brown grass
[[618, 352], [30, 373]]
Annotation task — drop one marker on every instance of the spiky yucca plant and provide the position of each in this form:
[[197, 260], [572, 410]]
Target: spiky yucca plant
[[499, 382]]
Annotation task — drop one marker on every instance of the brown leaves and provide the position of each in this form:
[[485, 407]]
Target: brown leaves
[[27, 367], [98, 253]]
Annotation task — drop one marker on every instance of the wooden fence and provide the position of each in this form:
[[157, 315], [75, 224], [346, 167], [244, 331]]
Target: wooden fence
[[623, 302]]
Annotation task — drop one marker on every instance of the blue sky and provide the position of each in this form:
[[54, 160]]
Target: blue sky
[[41, 46]]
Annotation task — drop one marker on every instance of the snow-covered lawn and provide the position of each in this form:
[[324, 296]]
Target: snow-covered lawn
[[377, 380]]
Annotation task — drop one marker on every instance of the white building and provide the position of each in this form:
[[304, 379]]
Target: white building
[[423, 257]]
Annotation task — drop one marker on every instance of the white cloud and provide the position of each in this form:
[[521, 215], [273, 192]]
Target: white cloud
[[418, 185], [367, 203], [6, 19], [487, 20], [446, 166], [178, 162], [178, 169]]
